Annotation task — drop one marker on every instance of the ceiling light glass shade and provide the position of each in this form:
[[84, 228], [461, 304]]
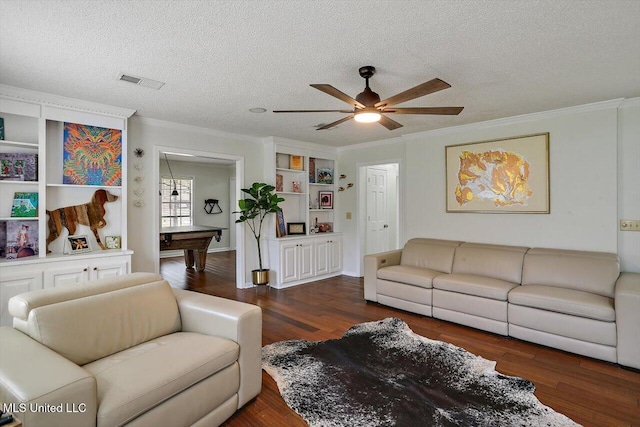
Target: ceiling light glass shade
[[367, 115]]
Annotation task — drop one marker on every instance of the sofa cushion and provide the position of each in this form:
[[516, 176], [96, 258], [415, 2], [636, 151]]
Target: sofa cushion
[[479, 286], [89, 328], [495, 261], [416, 276], [137, 379], [594, 272], [433, 254], [567, 301]]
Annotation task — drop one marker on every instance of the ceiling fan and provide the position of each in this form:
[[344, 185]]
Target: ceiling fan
[[368, 108]]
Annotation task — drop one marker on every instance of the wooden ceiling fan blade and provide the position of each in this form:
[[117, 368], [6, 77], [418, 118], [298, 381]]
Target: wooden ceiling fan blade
[[330, 90], [336, 123], [445, 111], [313, 111], [423, 89], [388, 123]]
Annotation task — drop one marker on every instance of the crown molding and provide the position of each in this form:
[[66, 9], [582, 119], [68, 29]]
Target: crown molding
[[195, 129], [42, 98], [631, 102]]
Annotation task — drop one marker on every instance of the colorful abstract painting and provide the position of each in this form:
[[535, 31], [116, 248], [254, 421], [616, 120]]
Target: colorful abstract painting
[[92, 155]]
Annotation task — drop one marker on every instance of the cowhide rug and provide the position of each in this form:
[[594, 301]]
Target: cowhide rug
[[383, 374]]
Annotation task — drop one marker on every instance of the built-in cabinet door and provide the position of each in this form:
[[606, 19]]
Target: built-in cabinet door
[[305, 260], [335, 255], [68, 274], [14, 284], [101, 270], [288, 262], [322, 257]]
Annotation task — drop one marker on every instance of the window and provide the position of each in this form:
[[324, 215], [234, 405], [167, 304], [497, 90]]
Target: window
[[176, 210]]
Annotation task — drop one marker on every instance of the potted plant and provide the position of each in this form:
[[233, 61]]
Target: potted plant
[[253, 211]]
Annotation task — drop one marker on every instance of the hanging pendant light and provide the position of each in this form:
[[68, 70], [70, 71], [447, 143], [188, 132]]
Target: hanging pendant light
[[175, 188]]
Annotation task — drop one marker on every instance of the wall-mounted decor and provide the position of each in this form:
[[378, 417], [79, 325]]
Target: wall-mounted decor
[[296, 162], [296, 228], [92, 155], [138, 152], [326, 199], [211, 206], [78, 244], [508, 175]]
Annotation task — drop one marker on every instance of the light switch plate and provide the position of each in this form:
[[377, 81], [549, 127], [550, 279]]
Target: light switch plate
[[629, 225]]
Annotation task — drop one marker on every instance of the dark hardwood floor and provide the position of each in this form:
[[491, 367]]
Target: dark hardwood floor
[[590, 392]]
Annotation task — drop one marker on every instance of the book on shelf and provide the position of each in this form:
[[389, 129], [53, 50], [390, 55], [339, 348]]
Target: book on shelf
[[25, 205], [19, 166]]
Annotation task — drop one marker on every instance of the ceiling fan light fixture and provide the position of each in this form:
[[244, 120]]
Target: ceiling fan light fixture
[[367, 115]]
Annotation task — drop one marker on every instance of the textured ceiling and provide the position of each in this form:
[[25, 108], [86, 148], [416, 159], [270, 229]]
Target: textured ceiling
[[220, 58]]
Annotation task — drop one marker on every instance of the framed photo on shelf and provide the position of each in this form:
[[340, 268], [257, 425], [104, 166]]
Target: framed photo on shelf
[[296, 228], [78, 244], [325, 176], [281, 230], [25, 205], [326, 199], [279, 181], [112, 242], [295, 162]]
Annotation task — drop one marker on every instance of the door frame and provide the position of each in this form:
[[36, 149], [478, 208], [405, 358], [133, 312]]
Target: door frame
[[361, 207], [239, 177]]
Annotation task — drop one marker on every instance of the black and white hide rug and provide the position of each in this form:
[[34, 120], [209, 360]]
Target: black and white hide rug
[[383, 374]]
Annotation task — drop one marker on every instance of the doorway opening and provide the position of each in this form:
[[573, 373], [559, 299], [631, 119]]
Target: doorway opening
[[211, 176], [378, 208]]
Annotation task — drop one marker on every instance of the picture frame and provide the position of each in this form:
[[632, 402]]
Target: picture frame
[[326, 199], [112, 242], [294, 228], [324, 176], [25, 205], [296, 162], [281, 230], [508, 175], [78, 244]]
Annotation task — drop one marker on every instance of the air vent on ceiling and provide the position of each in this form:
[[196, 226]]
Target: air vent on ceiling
[[141, 81]]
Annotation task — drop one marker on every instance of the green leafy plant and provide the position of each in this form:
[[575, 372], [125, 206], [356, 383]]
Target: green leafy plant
[[253, 210]]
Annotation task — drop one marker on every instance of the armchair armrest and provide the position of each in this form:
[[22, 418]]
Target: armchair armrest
[[234, 320], [372, 263], [627, 305], [38, 381]]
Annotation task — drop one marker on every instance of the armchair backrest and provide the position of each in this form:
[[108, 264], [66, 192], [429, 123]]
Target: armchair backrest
[[89, 321]]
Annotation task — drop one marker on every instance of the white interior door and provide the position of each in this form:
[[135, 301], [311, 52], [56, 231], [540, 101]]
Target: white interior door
[[377, 237]]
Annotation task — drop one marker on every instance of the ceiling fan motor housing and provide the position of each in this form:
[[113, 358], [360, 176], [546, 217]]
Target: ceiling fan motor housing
[[368, 97]]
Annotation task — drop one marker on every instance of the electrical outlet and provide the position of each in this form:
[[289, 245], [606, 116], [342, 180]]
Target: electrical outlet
[[629, 225]]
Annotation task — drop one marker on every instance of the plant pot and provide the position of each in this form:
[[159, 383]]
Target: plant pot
[[260, 277]]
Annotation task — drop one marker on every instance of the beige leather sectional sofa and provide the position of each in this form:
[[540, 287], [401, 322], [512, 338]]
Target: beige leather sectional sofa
[[129, 351], [575, 301]]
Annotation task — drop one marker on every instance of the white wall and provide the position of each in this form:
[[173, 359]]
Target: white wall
[[210, 181], [148, 134], [583, 174]]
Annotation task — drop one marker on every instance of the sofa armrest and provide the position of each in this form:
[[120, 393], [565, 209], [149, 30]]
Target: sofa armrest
[[627, 304], [372, 263], [39, 381], [234, 320]]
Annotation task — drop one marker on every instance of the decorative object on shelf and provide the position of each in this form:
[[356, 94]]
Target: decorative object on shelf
[[112, 242], [279, 182], [92, 155], [78, 244], [313, 204], [21, 239], [349, 185], [138, 152], [281, 230], [210, 205], [138, 179], [296, 162], [25, 205], [138, 191], [19, 166], [509, 175], [325, 227], [326, 199], [138, 203], [283, 161], [138, 166], [340, 188], [296, 186], [1, 129], [325, 176], [90, 214], [312, 170], [296, 228], [253, 211], [175, 187]]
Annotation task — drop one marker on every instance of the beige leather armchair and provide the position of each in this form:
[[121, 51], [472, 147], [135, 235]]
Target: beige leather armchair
[[128, 351]]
